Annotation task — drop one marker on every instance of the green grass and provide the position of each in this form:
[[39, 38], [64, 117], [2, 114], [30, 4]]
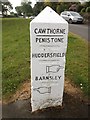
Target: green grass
[[77, 62], [15, 53], [16, 56], [0, 59]]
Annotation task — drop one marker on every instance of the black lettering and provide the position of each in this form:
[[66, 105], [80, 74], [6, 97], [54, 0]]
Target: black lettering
[[36, 78], [59, 77], [40, 78], [36, 30], [43, 30]]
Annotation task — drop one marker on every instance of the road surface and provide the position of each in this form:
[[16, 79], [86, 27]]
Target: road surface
[[80, 29], [73, 107]]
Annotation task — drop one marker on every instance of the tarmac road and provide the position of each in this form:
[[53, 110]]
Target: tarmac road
[[72, 108], [81, 30]]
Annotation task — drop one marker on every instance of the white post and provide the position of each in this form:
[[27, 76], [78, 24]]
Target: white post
[[48, 32]]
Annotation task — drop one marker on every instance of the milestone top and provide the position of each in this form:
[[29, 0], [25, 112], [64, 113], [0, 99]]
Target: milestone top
[[48, 15]]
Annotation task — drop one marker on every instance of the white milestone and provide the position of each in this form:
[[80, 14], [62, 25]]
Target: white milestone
[[48, 42]]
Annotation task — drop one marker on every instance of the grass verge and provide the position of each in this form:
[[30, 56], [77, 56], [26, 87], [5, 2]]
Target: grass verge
[[15, 54], [77, 62]]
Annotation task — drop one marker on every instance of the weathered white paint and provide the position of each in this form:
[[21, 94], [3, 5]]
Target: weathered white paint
[[48, 32], [1, 14]]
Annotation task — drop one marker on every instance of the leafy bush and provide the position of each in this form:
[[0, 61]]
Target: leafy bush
[[88, 9], [82, 10]]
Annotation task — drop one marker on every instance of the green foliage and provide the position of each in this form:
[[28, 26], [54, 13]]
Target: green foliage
[[19, 10], [85, 7], [88, 9], [25, 8], [56, 6], [6, 6], [46, 3], [79, 7], [64, 6], [38, 7], [58, 9], [86, 4], [83, 10]]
